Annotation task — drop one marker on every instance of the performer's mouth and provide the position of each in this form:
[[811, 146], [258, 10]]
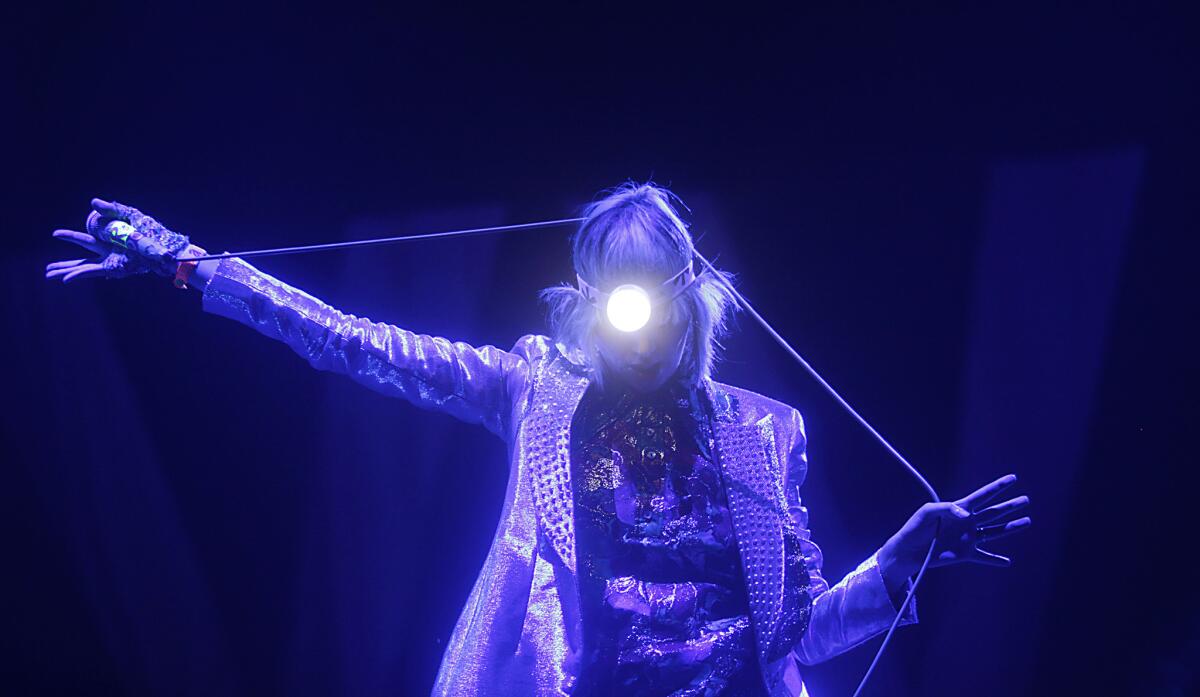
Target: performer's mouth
[[645, 372]]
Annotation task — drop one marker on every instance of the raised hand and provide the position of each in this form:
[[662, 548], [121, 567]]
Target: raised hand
[[965, 524], [112, 261]]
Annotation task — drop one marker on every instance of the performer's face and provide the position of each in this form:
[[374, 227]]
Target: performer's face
[[645, 359]]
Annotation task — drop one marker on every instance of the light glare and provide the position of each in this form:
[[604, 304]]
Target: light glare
[[628, 308]]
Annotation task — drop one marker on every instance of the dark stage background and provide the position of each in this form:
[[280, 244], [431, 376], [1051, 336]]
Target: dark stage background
[[979, 223]]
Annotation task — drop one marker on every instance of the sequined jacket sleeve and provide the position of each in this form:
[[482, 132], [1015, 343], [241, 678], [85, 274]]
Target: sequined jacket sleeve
[[855, 609], [473, 384]]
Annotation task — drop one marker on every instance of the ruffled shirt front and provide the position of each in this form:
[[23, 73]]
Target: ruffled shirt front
[[664, 603]]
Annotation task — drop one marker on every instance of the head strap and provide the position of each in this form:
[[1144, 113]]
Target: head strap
[[664, 293]]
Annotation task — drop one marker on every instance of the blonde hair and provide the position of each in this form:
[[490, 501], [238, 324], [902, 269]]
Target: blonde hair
[[635, 231]]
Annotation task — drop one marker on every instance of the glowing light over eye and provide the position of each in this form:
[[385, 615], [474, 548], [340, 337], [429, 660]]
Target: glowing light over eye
[[628, 308]]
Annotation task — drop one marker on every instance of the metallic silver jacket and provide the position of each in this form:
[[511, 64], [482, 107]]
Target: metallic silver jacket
[[519, 633]]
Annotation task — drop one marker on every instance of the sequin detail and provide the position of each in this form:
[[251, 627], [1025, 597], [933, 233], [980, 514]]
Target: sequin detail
[[776, 575], [546, 438], [662, 593]]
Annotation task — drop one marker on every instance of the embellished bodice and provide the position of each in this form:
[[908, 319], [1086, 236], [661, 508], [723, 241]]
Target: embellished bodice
[[664, 605]]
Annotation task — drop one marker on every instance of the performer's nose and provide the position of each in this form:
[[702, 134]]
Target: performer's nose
[[643, 347]]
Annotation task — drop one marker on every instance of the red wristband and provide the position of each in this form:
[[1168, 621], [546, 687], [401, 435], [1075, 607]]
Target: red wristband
[[184, 272]]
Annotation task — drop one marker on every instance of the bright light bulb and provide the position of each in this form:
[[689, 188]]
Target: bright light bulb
[[628, 308]]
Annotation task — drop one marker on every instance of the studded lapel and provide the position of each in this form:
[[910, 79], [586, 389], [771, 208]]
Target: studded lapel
[[546, 437], [750, 468]]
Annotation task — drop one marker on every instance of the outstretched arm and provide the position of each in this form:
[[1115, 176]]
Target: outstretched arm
[[476, 385], [473, 384]]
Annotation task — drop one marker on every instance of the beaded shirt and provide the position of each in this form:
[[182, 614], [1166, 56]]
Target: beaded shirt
[[663, 597]]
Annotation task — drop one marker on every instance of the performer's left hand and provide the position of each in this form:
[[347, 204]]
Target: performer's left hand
[[965, 524]]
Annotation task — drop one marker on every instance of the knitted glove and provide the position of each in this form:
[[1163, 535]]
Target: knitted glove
[[118, 253]]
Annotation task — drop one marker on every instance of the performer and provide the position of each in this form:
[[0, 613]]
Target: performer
[[653, 539]]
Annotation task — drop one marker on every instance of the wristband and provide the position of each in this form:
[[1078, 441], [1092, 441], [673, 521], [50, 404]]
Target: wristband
[[183, 273]]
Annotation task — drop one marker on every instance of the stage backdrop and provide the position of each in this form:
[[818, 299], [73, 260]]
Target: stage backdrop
[[979, 225]]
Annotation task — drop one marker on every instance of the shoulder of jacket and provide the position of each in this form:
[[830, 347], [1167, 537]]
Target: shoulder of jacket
[[535, 348], [752, 406]]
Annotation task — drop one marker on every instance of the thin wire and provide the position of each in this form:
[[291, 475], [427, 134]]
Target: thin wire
[[845, 405], [817, 376], [896, 621], [387, 240]]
